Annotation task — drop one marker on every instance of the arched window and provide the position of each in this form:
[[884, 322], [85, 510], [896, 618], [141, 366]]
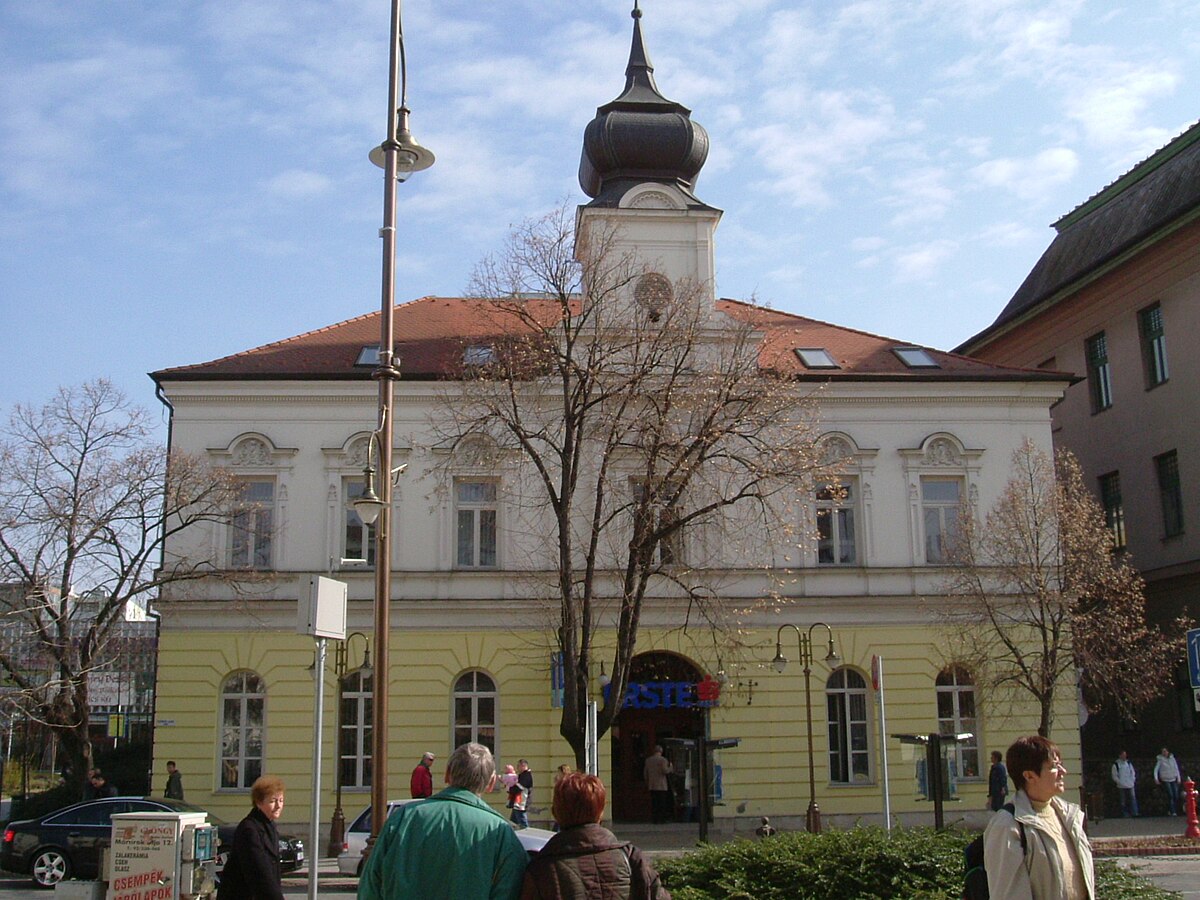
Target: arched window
[[475, 710], [956, 715], [243, 729], [354, 742], [849, 744]]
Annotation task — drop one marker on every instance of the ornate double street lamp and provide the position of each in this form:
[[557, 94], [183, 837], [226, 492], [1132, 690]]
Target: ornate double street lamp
[[337, 829], [812, 820], [400, 156]]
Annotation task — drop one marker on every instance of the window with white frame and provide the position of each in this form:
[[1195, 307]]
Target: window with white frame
[[358, 538], [1154, 345], [837, 544], [252, 525], [475, 710], [956, 715], [849, 743], [243, 729], [941, 503], [475, 523], [354, 742]]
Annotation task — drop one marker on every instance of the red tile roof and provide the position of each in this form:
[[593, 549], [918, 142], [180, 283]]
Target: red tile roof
[[431, 333]]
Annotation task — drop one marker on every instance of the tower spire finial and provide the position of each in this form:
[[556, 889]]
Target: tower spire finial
[[637, 13]]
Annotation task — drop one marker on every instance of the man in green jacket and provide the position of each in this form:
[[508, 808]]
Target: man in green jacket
[[452, 846]]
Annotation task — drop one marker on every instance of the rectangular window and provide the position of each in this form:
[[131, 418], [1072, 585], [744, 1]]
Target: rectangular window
[[1169, 493], [354, 742], [1114, 508], [836, 544], [940, 500], [475, 509], [252, 525], [660, 514], [358, 539], [1099, 374], [1154, 345]]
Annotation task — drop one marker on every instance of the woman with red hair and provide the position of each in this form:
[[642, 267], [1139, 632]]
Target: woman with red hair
[[585, 860]]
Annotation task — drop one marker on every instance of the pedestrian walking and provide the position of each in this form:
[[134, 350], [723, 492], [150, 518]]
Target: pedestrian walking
[[1125, 778], [421, 783], [101, 787], [1039, 850], [656, 771], [585, 859], [174, 788], [252, 871], [520, 801], [997, 782], [452, 846], [1166, 773]]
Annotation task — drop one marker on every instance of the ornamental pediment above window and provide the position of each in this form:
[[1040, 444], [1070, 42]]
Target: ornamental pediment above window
[[251, 450]]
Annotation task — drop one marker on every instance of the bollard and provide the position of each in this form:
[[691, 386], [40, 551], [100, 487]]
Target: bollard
[[1189, 804]]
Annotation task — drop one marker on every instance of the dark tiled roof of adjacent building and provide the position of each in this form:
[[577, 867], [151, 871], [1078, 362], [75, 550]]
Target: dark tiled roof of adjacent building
[[1153, 199], [433, 332]]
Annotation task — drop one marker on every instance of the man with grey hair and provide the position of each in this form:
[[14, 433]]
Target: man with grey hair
[[452, 846]]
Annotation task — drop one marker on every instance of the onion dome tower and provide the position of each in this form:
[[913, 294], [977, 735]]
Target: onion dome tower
[[640, 137], [641, 156]]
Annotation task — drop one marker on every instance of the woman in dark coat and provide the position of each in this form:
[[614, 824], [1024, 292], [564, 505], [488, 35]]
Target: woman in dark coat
[[252, 870], [585, 860]]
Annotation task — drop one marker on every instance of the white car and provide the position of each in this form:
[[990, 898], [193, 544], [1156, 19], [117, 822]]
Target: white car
[[350, 859]]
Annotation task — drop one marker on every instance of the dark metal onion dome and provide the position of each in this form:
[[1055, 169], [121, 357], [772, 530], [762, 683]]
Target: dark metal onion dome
[[640, 137]]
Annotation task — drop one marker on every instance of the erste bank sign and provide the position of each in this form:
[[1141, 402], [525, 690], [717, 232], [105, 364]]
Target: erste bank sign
[[670, 694]]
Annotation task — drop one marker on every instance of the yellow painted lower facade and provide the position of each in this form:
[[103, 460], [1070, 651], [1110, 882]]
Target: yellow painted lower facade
[[767, 774]]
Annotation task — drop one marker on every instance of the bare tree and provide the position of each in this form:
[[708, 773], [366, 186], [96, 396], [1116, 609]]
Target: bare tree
[[1045, 601], [629, 411], [85, 508]]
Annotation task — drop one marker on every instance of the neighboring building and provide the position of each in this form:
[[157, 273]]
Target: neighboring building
[[121, 684], [1114, 299], [920, 431]]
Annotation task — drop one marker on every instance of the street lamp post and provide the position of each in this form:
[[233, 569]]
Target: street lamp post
[[337, 828], [812, 819], [400, 156]]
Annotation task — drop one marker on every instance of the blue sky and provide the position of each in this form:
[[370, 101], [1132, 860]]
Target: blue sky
[[182, 180]]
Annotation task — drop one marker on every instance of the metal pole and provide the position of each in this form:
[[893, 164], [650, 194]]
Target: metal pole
[[385, 374], [314, 818], [812, 820], [887, 795], [337, 828]]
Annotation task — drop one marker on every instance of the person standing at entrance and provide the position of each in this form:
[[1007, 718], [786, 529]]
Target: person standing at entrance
[[1166, 773], [174, 789], [656, 770], [421, 783], [1125, 779]]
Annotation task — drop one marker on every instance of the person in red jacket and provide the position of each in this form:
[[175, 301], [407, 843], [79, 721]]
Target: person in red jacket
[[421, 784]]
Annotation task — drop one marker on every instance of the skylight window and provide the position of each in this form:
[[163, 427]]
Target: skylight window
[[368, 356], [479, 355], [915, 357], [816, 358]]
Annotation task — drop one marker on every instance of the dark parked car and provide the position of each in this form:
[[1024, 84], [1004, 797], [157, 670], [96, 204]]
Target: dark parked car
[[67, 842]]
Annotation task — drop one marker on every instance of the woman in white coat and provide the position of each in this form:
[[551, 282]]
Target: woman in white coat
[[1053, 861]]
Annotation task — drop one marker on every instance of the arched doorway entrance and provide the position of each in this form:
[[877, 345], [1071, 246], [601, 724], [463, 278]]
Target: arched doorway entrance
[[661, 707]]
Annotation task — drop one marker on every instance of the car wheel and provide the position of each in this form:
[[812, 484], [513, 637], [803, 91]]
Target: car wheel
[[50, 866]]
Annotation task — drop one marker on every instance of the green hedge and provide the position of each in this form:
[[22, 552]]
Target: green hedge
[[860, 864]]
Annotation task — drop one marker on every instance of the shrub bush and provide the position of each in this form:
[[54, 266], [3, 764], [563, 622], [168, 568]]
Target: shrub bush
[[860, 864]]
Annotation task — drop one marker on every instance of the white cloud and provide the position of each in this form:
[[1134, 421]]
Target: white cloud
[[298, 183], [1030, 178], [922, 262]]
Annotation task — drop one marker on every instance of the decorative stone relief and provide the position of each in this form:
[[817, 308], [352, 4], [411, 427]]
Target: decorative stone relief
[[252, 452], [834, 449], [942, 452], [356, 453], [653, 200]]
